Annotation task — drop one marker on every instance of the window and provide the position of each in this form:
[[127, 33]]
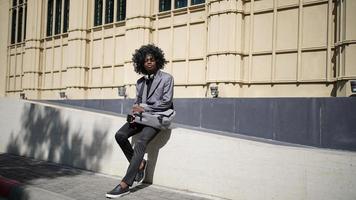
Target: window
[[19, 28], [164, 5], [66, 16], [18, 21], [180, 3], [57, 25], [110, 6], [13, 26], [56, 10], [109, 11], [49, 17], [98, 12], [24, 29], [194, 2], [121, 10]]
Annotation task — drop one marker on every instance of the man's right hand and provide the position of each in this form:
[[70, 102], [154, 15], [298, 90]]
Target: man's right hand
[[137, 109]]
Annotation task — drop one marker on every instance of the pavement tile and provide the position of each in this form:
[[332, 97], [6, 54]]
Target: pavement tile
[[61, 181]]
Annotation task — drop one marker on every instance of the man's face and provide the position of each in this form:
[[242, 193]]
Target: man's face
[[150, 64]]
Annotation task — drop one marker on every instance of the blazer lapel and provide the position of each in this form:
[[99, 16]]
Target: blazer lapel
[[157, 79]]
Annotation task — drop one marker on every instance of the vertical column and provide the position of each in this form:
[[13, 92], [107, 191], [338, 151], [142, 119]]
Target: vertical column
[[224, 52], [138, 32], [300, 40], [4, 41], [75, 78], [346, 46], [251, 32], [350, 41], [329, 42], [274, 41], [32, 64]]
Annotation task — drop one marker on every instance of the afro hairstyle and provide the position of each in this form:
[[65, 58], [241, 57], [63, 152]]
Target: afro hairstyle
[[138, 58]]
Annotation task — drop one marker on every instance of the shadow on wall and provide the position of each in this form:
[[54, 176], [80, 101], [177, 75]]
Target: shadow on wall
[[46, 135], [152, 151]]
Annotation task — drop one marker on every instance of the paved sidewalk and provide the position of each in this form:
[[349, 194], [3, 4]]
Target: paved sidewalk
[[24, 178]]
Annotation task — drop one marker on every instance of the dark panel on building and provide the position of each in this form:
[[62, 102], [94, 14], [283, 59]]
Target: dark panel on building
[[188, 111], [218, 114], [74, 102], [339, 123], [254, 117], [297, 121], [93, 104], [112, 105]]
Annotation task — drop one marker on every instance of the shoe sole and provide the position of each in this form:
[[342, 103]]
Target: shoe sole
[[111, 196]]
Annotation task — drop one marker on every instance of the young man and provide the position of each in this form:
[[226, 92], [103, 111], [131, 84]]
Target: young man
[[158, 96]]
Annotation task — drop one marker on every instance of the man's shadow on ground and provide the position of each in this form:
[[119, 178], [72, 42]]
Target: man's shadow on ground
[[152, 151]]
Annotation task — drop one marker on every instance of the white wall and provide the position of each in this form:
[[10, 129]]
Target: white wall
[[202, 162]]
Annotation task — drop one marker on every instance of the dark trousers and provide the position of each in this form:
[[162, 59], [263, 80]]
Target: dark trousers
[[135, 155]]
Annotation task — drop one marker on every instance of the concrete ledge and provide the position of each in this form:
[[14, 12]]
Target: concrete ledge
[[218, 165]]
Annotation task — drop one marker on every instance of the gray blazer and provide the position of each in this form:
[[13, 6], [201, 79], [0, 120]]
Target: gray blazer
[[160, 96]]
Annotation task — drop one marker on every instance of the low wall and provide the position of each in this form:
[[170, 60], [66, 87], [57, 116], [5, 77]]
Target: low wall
[[317, 122], [186, 159]]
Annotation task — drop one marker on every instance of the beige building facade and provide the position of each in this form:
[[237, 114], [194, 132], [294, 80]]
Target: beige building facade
[[247, 48]]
